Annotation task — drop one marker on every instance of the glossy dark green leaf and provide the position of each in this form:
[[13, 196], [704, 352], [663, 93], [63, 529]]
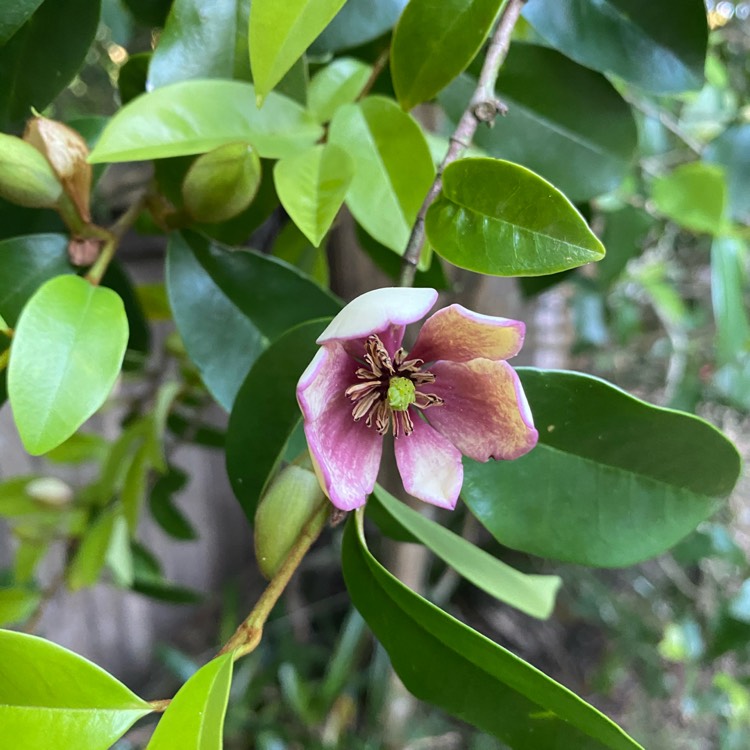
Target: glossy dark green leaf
[[132, 76], [613, 481], [433, 43], [163, 508], [728, 277], [220, 340], [564, 122], [194, 719], [660, 47], [732, 150], [191, 117], [14, 15], [444, 662], [202, 40], [281, 32], [532, 594], [338, 83], [498, 218], [693, 195], [28, 262], [54, 699], [293, 247], [358, 22], [393, 167], [43, 56], [149, 12], [66, 355], [266, 413]]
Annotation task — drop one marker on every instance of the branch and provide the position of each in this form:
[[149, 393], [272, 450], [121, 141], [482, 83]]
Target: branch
[[484, 106]]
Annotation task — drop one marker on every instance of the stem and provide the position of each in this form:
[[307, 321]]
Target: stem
[[248, 634], [377, 69], [483, 107]]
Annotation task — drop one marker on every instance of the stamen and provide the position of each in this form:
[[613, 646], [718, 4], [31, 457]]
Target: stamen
[[364, 405], [360, 390], [426, 400]]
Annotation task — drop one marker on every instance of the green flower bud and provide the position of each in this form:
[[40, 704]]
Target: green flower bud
[[26, 177], [222, 183], [289, 503]]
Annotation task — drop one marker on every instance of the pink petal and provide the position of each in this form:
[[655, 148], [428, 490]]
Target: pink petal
[[458, 334], [486, 414], [430, 466], [379, 311], [346, 454]]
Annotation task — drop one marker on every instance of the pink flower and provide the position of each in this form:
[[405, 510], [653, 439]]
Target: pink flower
[[453, 394]]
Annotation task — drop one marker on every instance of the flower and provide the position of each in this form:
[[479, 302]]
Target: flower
[[453, 394]]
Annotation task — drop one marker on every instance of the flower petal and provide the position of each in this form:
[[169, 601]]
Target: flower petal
[[485, 414], [346, 454], [458, 334], [430, 466], [379, 311]]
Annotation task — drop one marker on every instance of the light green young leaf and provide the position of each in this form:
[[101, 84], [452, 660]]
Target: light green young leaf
[[338, 83], [281, 32], [194, 719], [89, 559], [66, 354], [311, 186], [728, 279], [135, 485], [119, 558], [532, 594], [17, 604], [53, 699]]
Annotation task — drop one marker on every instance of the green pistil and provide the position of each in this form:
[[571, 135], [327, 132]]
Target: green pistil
[[401, 394]]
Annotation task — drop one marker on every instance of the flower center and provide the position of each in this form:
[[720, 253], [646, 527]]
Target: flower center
[[387, 387]]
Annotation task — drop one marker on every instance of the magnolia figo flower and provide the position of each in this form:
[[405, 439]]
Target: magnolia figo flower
[[453, 394]]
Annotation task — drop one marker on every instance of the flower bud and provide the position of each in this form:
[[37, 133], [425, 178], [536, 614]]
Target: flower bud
[[221, 183], [50, 491], [26, 178], [67, 152], [289, 503]]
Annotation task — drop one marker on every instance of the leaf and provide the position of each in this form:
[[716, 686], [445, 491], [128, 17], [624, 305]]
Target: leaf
[[693, 195], [17, 604], [166, 395], [43, 55], [221, 341], [564, 122], [727, 282], [54, 699], [163, 508], [132, 76], [660, 47], [266, 413], [14, 16], [311, 186], [135, 486], [28, 262], [393, 166], [624, 232], [338, 83], [86, 566], [79, 448], [293, 247], [358, 22], [202, 40], [613, 480], [119, 558], [432, 44], [281, 32], [194, 719], [66, 355], [532, 594], [192, 117], [498, 218], [732, 151], [444, 662]]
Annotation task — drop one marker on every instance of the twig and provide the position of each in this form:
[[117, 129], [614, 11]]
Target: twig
[[483, 107], [377, 69]]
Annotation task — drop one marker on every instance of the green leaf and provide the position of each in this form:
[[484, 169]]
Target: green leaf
[[433, 43], [28, 262], [42, 57], [444, 662], [532, 594], [132, 76], [728, 277], [79, 448], [135, 486], [66, 355], [15, 15], [86, 566], [192, 117], [564, 122], [338, 83], [194, 719], [660, 47], [163, 508], [202, 40], [693, 195], [119, 558], [624, 232], [54, 699], [221, 341], [165, 398], [17, 604], [358, 22], [293, 247], [732, 151], [281, 32], [393, 166], [498, 218], [613, 480], [311, 186], [266, 413]]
